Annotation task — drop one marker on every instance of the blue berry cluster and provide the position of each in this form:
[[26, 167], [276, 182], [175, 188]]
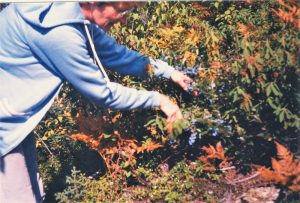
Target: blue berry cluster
[[192, 131], [191, 72], [171, 141], [193, 137], [193, 134], [215, 131], [193, 89]]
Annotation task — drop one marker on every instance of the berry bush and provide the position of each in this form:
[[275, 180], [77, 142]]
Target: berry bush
[[241, 112]]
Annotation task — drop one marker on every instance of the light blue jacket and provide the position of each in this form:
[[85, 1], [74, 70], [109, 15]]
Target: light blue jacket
[[43, 45]]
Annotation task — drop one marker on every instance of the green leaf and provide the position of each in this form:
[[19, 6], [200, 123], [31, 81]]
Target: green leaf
[[216, 4], [240, 91], [268, 89], [281, 116], [126, 164], [135, 16], [252, 71], [276, 90], [260, 60], [60, 118], [271, 103], [177, 128], [149, 122], [160, 124], [128, 173], [107, 135], [235, 97]]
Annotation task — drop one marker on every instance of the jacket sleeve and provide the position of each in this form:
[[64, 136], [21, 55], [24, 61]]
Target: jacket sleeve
[[63, 50], [125, 61]]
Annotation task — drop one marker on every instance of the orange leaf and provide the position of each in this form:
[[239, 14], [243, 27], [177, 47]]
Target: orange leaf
[[86, 139], [243, 29], [215, 153], [148, 146], [286, 170], [282, 152], [219, 148], [169, 127], [209, 150], [289, 14], [109, 151], [116, 117], [269, 175], [251, 60], [266, 174], [246, 104], [276, 166], [295, 187]]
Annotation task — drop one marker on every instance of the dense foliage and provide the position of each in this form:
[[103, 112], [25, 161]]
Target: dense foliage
[[243, 102]]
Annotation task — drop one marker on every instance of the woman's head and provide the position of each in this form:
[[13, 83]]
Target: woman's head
[[106, 14]]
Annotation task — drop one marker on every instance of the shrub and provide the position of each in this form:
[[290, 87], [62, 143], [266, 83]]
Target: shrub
[[243, 59]]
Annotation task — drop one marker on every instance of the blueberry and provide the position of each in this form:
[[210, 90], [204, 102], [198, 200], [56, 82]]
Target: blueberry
[[193, 122], [171, 141], [192, 138], [178, 68], [219, 121]]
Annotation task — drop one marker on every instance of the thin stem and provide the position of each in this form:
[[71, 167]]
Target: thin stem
[[245, 179], [45, 145]]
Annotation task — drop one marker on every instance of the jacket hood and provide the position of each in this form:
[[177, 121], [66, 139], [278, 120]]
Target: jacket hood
[[49, 15]]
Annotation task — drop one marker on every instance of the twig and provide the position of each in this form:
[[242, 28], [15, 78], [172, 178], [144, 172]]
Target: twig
[[165, 160], [105, 161], [45, 145], [144, 182], [227, 168], [245, 179]]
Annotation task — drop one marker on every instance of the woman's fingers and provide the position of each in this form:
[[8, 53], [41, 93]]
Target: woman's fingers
[[181, 79], [170, 109]]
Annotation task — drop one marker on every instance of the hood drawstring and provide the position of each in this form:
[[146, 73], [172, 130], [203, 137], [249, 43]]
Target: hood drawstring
[[98, 63]]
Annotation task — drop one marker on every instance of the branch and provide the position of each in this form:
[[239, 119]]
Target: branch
[[245, 179], [227, 168], [45, 145]]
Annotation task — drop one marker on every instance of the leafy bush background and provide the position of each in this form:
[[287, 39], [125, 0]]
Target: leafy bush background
[[248, 81], [246, 55]]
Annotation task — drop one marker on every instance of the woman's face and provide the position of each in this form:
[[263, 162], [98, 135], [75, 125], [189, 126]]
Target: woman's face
[[105, 14]]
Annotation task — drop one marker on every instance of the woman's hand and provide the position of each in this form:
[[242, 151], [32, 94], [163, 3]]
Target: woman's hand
[[181, 79], [171, 109]]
